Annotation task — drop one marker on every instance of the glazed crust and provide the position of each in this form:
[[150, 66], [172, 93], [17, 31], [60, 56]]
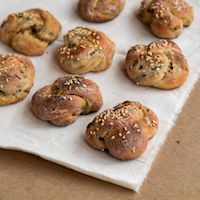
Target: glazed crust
[[85, 50], [100, 10], [16, 78], [30, 32], [161, 64], [123, 131], [68, 97], [166, 17]]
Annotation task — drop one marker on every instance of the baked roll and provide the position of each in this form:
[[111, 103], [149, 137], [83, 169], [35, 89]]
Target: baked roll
[[85, 50], [16, 78], [160, 64], [100, 10], [166, 17], [30, 32], [68, 97], [123, 131]]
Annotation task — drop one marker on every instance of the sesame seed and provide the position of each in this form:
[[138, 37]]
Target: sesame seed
[[113, 137], [154, 121], [91, 132], [138, 130]]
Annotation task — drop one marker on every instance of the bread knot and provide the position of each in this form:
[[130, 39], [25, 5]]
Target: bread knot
[[30, 32], [123, 130], [16, 78], [68, 97], [166, 17], [85, 50], [100, 10], [160, 64]]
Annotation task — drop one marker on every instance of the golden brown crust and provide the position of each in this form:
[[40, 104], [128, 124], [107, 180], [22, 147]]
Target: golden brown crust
[[100, 10], [85, 50], [123, 130], [166, 17], [68, 97], [16, 78], [161, 64], [30, 32]]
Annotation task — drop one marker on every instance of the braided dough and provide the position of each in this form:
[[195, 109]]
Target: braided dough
[[161, 64], [123, 131], [85, 50], [68, 97], [16, 78], [166, 17], [100, 10], [30, 32]]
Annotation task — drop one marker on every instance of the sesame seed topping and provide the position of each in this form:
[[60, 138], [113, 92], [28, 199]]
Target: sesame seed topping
[[138, 130], [113, 137], [91, 132], [120, 134]]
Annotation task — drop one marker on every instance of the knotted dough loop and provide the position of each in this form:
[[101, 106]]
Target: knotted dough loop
[[85, 50], [100, 10], [161, 64], [30, 32], [16, 78], [123, 131], [166, 17], [68, 97]]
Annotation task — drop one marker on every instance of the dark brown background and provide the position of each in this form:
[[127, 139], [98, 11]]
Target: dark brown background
[[175, 174]]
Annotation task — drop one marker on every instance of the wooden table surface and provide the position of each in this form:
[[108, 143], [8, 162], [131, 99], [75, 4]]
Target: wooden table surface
[[175, 174]]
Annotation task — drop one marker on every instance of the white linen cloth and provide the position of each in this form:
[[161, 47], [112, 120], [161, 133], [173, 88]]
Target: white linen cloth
[[20, 130]]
